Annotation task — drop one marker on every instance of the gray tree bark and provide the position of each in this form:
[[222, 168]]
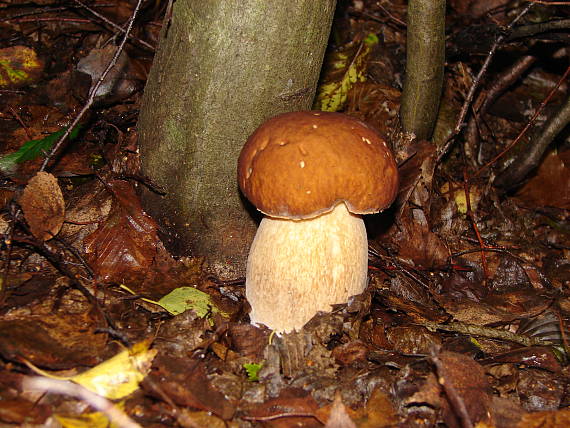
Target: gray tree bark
[[222, 68]]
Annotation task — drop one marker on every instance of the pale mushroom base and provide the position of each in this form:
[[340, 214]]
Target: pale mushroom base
[[297, 268]]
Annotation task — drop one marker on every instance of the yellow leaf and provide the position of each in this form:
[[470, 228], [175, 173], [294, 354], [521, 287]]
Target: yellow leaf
[[117, 377], [19, 66], [461, 199], [458, 195], [88, 420], [344, 69]]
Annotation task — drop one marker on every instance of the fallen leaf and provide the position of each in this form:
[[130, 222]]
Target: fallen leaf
[[88, 420], [554, 174], [293, 407], [23, 413], [52, 341], [43, 206], [339, 418], [126, 243], [185, 381], [378, 413], [182, 299], [19, 66], [117, 377], [469, 382], [345, 67], [552, 419]]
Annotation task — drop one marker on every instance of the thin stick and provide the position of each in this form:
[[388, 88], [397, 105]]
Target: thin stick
[[112, 24], [476, 83], [528, 125], [471, 216], [455, 399], [93, 91], [114, 413]]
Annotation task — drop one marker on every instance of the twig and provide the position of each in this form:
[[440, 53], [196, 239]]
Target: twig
[[55, 259], [93, 91], [114, 413], [491, 333], [51, 19], [501, 83], [391, 17], [20, 121], [476, 83], [4, 293], [77, 255], [471, 216], [284, 415], [455, 399], [33, 12], [112, 24], [551, 3], [528, 125], [543, 27]]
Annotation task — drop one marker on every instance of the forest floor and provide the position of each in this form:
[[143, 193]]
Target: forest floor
[[464, 321]]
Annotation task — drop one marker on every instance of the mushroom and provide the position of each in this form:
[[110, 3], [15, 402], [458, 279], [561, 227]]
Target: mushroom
[[313, 174]]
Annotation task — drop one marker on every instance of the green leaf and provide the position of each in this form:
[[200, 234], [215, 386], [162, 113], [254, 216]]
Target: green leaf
[[33, 149], [184, 298], [252, 371]]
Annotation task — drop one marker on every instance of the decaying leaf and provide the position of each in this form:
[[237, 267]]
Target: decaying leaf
[[339, 418], [117, 377], [19, 66], [88, 420], [346, 67], [293, 407], [379, 412], [553, 173], [553, 419], [50, 340], [188, 418], [126, 243], [43, 206], [186, 382], [463, 379]]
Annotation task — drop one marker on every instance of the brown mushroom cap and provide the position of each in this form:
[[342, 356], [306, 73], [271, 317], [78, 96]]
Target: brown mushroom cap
[[302, 164]]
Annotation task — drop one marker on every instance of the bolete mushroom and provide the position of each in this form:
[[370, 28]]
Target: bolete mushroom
[[312, 174]]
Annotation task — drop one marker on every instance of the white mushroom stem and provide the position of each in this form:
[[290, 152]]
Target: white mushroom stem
[[297, 268]]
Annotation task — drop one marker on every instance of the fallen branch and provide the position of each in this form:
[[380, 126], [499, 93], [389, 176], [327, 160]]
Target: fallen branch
[[114, 413]]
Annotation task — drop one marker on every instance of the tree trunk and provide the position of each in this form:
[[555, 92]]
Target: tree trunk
[[222, 68], [425, 58]]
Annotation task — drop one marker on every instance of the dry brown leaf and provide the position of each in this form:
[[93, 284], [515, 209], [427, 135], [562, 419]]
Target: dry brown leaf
[[412, 339], [550, 187], [125, 245], [293, 407], [379, 412], [417, 242], [43, 206], [186, 382], [339, 418], [55, 342], [21, 412], [560, 418], [467, 378]]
